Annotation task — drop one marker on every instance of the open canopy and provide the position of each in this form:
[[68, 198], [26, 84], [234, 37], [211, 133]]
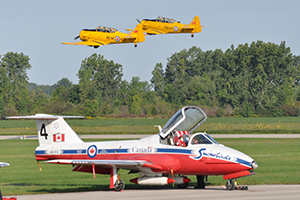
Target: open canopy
[[188, 118]]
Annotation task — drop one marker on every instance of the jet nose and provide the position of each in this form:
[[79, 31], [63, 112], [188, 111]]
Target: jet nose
[[254, 164]]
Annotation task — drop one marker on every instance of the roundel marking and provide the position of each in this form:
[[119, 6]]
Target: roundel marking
[[175, 28], [92, 151], [117, 38]]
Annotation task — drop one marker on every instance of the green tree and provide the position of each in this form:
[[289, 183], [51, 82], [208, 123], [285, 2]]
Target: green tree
[[158, 79], [15, 66], [99, 77]]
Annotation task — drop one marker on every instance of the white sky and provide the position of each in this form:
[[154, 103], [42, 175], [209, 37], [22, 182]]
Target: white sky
[[37, 29]]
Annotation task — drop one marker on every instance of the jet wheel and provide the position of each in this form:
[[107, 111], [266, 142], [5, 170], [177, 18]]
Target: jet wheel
[[119, 185], [230, 184], [183, 185]]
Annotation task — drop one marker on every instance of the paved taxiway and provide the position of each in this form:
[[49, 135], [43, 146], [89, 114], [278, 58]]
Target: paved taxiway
[[211, 192]]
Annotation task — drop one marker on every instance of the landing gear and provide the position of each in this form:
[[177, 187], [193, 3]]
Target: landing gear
[[182, 185], [135, 45], [119, 185], [116, 182], [230, 185], [192, 35]]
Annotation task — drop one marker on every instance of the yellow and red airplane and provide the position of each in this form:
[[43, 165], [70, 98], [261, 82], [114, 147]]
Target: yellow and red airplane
[[105, 35], [162, 25]]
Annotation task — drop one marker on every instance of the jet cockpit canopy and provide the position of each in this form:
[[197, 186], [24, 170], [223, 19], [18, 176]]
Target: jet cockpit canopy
[[188, 118]]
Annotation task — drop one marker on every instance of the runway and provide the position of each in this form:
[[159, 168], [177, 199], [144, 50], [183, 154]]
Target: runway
[[211, 192]]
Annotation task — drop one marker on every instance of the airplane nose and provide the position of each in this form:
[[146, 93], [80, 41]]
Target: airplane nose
[[254, 164], [83, 35]]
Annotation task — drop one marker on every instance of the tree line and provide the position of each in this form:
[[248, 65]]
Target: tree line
[[260, 79]]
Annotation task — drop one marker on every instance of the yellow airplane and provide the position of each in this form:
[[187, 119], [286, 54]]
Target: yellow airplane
[[162, 25], [105, 35]]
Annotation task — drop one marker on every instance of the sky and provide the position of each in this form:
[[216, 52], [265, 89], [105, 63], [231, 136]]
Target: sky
[[37, 29]]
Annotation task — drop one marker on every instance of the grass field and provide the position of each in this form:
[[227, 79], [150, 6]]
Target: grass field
[[147, 126], [278, 160]]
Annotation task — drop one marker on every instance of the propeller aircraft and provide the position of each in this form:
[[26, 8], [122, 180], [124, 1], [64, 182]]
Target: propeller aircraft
[[105, 35], [164, 158], [162, 25]]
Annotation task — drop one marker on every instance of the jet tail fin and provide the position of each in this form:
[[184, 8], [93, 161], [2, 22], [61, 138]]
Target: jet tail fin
[[196, 24], [53, 129]]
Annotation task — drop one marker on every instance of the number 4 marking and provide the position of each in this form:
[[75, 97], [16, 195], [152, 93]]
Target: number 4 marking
[[43, 128]]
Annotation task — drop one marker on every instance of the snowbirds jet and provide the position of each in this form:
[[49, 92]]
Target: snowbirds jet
[[160, 159], [163, 25], [105, 35]]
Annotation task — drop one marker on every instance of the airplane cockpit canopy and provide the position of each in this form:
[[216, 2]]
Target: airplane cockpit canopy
[[162, 19], [105, 29], [188, 118], [166, 20], [202, 138], [102, 29]]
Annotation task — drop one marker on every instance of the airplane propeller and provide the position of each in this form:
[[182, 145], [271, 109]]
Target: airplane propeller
[[76, 37]]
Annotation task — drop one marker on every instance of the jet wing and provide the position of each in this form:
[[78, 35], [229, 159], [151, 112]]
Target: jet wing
[[125, 164], [3, 164], [88, 43]]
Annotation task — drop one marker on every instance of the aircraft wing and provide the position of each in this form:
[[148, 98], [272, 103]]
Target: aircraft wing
[[153, 32], [88, 43], [127, 164], [3, 164]]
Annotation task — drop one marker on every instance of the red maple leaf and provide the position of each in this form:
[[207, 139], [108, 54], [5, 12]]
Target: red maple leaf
[[58, 137], [92, 151]]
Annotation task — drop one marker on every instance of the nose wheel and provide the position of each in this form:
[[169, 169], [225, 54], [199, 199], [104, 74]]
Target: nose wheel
[[230, 185]]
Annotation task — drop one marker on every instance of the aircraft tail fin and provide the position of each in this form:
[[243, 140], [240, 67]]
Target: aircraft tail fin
[[196, 24], [53, 129], [139, 32]]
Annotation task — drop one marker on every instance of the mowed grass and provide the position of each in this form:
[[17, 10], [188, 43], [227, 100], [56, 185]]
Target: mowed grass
[[278, 160], [253, 125]]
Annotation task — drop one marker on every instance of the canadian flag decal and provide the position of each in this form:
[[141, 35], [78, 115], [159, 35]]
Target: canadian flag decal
[[59, 137]]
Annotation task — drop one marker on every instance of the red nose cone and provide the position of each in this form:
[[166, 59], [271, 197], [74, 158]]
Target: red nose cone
[[186, 180], [170, 181], [135, 180]]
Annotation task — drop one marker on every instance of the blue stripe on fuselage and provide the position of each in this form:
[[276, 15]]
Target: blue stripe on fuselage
[[113, 151], [244, 162]]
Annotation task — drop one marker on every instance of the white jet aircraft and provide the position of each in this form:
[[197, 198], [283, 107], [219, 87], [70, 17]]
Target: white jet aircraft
[[164, 158]]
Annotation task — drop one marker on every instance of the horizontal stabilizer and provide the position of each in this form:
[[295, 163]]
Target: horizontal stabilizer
[[187, 28], [44, 117]]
